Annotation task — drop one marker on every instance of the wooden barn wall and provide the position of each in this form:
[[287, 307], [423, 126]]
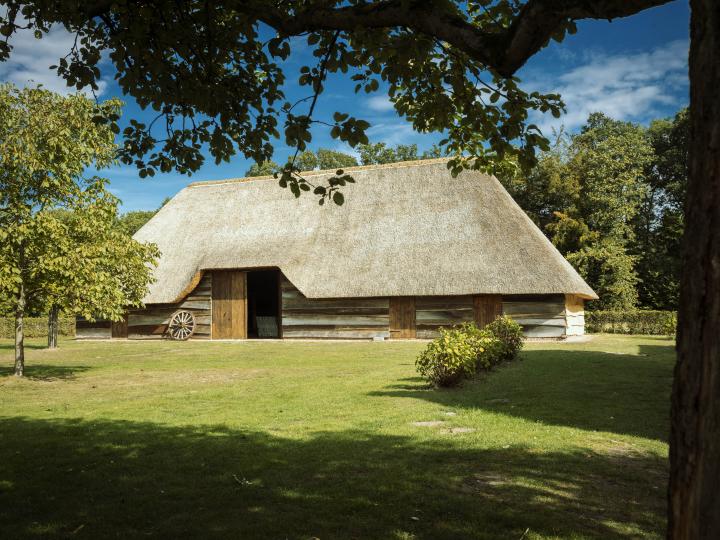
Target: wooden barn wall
[[574, 315], [541, 316], [98, 329], [153, 320], [432, 312], [352, 318]]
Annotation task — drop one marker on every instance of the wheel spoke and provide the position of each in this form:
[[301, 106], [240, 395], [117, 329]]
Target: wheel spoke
[[182, 325]]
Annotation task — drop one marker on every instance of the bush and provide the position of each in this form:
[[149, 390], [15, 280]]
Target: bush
[[488, 348], [648, 322], [509, 334], [36, 327], [466, 349], [449, 358]]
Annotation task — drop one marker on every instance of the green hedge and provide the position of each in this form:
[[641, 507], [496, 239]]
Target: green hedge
[[36, 327], [648, 322]]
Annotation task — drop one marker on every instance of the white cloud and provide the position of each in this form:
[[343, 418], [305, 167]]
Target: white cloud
[[31, 58], [393, 133], [345, 148], [379, 104], [626, 87]]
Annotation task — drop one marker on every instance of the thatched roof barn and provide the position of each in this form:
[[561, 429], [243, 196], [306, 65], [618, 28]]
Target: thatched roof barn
[[411, 246]]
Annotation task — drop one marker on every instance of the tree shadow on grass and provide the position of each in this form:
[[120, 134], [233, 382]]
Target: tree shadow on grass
[[618, 393], [7, 345], [119, 479], [43, 372]]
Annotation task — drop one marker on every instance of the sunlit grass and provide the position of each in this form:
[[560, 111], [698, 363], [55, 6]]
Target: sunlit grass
[[300, 439]]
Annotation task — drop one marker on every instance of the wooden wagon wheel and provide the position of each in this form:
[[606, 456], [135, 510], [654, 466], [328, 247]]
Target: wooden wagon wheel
[[182, 325]]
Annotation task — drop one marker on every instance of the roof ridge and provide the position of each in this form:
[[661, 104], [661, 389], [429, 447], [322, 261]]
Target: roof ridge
[[395, 165]]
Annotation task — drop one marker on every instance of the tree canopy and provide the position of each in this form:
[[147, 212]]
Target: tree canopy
[[59, 243], [215, 73], [610, 199]]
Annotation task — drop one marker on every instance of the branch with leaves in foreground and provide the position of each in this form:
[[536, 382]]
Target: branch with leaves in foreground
[[215, 72]]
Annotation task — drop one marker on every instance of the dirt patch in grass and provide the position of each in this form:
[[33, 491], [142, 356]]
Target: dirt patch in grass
[[429, 423]]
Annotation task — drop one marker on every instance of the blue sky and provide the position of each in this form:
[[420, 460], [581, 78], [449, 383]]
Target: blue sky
[[631, 69]]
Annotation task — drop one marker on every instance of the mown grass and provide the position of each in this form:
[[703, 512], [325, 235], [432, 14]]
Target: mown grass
[[303, 440]]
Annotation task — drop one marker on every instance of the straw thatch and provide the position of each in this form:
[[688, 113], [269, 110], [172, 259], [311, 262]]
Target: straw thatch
[[406, 229]]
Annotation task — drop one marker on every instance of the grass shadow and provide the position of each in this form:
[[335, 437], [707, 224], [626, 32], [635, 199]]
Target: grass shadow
[[120, 479], [618, 393], [43, 372], [7, 345]]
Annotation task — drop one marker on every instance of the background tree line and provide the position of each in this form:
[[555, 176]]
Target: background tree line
[[611, 199]]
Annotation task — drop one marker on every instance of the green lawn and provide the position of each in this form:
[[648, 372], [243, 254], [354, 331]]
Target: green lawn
[[318, 439]]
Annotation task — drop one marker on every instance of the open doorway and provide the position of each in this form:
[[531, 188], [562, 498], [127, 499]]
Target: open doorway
[[263, 304]]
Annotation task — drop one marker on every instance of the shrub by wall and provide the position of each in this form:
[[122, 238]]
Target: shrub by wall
[[648, 322], [36, 327], [462, 351], [449, 358], [509, 334]]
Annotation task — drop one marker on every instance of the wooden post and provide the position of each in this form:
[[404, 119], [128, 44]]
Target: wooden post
[[487, 307], [574, 315], [402, 317]]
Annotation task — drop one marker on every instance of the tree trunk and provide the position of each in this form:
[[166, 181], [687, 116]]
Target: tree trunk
[[20, 333], [53, 326], [694, 505]]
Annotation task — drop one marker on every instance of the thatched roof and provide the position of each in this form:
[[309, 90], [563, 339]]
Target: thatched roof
[[406, 229]]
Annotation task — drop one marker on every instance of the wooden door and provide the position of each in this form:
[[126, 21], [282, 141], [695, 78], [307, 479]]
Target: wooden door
[[119, 329], [229, 304], [402, 317], [487, 307]]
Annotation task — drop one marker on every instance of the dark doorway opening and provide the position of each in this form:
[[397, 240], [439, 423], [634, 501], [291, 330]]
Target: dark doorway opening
[[263, 301]]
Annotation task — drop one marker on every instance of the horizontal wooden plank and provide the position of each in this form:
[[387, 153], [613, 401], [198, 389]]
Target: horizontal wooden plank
[[529, 310], [433, 326], [346, 320], [341, 303], [163, 318], [147, 328], [544, 331], [445, 317], [205, 305], [443, 302], [321, 310], [541, 322], [92, 333], [83, 323], [315, 333], [145, 336], [534, 298], [329, 327]]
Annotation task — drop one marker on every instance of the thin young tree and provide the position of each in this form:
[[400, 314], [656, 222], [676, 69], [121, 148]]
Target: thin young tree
[[57, 243]]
